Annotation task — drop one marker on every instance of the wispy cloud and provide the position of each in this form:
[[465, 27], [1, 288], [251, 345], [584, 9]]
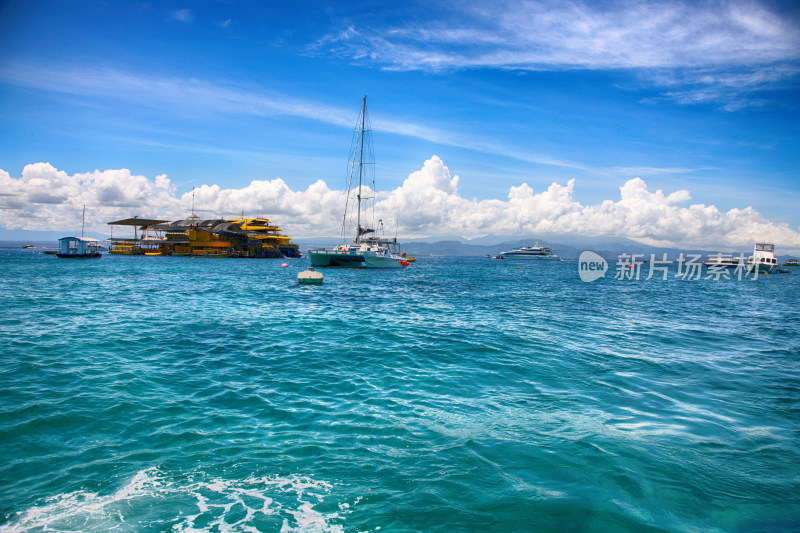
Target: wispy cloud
[[541, 35], [183, 15], [176, 94], [736, 88], [727, 47], [196, 97]]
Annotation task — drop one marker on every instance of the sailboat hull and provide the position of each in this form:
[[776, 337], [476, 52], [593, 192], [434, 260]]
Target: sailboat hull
[[330, 258], [384, 261], [354, 259]]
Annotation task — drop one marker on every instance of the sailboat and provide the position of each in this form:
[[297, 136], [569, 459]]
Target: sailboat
[[369, 249]]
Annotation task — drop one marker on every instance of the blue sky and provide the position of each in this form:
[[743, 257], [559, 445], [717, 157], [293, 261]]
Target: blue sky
[[703, 98]]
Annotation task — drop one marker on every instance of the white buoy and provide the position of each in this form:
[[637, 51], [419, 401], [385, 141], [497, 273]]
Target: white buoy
[[310, 277]]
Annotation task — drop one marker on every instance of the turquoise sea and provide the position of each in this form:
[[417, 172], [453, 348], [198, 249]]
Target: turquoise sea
[[459, 395]]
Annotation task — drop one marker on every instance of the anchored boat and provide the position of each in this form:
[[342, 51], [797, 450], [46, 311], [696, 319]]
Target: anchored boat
[[78, 247], [241, 237], [369, 249], [763, 259], [720, 261], [530, 252]]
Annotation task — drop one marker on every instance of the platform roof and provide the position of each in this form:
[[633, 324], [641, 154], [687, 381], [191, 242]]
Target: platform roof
[[136, 221]]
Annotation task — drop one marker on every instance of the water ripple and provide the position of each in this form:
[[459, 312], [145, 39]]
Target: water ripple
[[174, 394]]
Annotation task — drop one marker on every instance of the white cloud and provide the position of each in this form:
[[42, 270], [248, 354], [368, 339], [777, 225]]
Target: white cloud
[[428, 203], [700, 52]]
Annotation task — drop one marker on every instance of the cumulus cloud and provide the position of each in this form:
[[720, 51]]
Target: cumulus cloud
[[430, 204], [47, 198], [427, 204]]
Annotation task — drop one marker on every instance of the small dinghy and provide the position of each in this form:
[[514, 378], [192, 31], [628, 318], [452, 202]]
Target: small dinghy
[[309, 277]]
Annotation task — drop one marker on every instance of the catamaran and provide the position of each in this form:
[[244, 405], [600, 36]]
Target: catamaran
[[370, 248]]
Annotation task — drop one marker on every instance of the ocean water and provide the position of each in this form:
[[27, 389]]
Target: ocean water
[[461, 394]]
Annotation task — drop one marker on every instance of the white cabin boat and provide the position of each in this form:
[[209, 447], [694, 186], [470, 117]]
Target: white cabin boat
[[77, 247], [763, 258]]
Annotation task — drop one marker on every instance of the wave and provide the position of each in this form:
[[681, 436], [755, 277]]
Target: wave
[[151, 499]]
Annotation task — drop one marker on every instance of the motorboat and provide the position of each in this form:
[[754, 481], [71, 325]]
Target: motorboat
[[720, 261], [763, 260], [530, 252]]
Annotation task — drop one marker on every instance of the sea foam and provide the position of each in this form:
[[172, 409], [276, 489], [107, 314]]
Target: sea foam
[[198, 504]]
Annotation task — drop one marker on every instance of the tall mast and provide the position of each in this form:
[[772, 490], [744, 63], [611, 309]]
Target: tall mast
[[361, 167], [193, 216], [83, 219]]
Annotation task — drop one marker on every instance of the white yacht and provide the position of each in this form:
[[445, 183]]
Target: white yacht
[[369, 249], [763, 258], [720, 261], [530, 252]]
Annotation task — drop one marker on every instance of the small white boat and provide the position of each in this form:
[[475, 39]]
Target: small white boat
[[530, 252], [763, 258], [310, 277]]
